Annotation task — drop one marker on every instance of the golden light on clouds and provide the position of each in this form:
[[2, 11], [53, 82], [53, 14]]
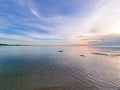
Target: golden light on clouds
[[80, 42], [117, 28]]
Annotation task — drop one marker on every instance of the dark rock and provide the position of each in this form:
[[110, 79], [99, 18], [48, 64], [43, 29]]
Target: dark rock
[[82, 55], [60, 51]]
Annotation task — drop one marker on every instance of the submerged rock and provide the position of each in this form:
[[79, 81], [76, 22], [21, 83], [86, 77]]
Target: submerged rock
[[106, 54], [100, 54], [115, 55]]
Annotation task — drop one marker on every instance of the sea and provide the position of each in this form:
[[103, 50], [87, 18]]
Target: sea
[[59, 68]]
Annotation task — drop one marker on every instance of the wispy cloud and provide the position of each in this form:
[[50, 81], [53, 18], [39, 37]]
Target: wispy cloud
[[15, 37]]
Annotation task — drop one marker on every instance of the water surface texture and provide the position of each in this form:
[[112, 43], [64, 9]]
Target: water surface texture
[[45, 68]]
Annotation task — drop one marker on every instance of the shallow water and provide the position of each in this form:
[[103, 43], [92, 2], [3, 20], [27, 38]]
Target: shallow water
[[44, 68]]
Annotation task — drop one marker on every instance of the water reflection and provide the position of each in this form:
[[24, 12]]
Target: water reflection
[[44, 68]]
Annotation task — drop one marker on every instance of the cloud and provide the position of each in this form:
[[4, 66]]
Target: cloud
[[102, 20], [15, 37], [105, 40], [71, 21]]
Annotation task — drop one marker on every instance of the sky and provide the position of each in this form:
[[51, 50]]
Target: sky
[[60, 22]]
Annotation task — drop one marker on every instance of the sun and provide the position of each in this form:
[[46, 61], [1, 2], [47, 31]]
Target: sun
[[117, 28], [117, 31]]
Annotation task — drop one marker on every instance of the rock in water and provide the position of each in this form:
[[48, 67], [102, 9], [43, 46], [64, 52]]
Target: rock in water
[[82, 55], [60, 51]]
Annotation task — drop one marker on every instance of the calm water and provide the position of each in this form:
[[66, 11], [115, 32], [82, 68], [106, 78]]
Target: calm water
[[44, 68]]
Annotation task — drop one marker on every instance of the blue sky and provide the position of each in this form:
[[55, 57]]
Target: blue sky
[[60, 21]]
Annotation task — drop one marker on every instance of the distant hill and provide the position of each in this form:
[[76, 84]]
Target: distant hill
[[13, 45], [3, 44]]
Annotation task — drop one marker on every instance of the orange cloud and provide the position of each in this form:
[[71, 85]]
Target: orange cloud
[[79, 42]]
